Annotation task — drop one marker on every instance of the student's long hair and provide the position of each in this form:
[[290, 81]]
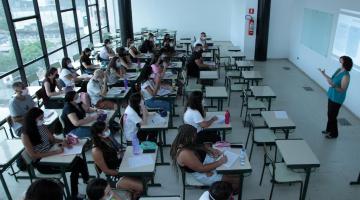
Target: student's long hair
[[185, 139], [48, 73], [195, 102], [134, 102], [112, 64], [145, 73], [96, 129], [30, 126], [83, 53], [64, 63]]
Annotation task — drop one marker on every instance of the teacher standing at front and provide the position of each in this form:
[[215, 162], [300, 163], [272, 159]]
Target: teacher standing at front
[[339, 83]]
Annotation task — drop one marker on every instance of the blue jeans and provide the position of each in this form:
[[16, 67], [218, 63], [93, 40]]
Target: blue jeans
[[82, 132], [155, 103]]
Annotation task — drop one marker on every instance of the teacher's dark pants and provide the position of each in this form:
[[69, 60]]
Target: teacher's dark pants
[[333, 111]]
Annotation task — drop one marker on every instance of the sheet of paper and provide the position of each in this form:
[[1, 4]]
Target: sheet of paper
[[168, 74], [157, 119], [114, 91], [280, 115], [163, 92], [220, 119], [232, 157], [140, 160], [76, 149], [48, 113]]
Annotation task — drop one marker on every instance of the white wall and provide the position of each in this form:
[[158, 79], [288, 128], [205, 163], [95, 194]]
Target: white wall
[[185, 16], [280, 19], [237, 32], [308, 60]]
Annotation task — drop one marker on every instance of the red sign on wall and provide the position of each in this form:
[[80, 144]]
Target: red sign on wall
[[251, 10]]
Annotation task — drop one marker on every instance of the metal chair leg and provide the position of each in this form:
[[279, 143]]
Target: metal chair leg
[[272, 189]]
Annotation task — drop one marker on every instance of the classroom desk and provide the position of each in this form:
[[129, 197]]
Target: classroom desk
[[160, 198], [50, 115], [110, 115], [244, 65], [213, 49], [171, 98], [134, 67], [237, 55], [236, 169], [207, 56], [131, 76], [62, 96], [145, 56], [161, 128], [9, 152], [298, 155], [263, 92], [218, 125], [118, 94], [219, 93], [209, 76], [187, 42], [177, 65], [276, 123], [234, 48], [63, 162], [126, 169], [253, 76]]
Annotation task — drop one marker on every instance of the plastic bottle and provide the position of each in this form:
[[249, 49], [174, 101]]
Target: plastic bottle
[[135, 145], [227, 117], [242, 156], [125, 83]]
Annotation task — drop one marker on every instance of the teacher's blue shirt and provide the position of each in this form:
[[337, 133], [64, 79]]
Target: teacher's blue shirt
[[333, 94]]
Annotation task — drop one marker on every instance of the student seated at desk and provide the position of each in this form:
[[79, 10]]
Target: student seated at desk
[[125, 59], [148, 46], [135, 115], [99, 189], [167, 49], [220, 190], [106, 53], [133, 51], [97, 89], [194, 115], [196, 63], [19, 105], [200, 161], [49, 85], [74, 115], [45, 189], [86, 65], [68, 74], [38, 141], [115, 70], [107, 158], [201, 40], [158, 69], [166, 39], [150, 88]]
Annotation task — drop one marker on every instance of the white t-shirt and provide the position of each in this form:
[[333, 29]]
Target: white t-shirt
[[193, 118], [131, 118], [205, 196], [199, 41], [145, 93], [94, 89], [65, 72], [104, 54]]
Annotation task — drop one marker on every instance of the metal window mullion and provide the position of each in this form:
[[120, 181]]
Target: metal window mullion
[[15, 43], [107, 16], [98, 19], [41, 33], [77, 26], [88, 20], [61, 27]]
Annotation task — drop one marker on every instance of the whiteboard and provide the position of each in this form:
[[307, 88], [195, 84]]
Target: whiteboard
[[316, 30]]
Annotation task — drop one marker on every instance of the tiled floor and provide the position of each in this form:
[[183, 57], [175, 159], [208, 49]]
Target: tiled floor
[[339, 158]]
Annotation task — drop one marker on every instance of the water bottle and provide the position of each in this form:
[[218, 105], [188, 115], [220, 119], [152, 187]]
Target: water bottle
[[135, 145], [125, 83], [242, 156], [227, 117]]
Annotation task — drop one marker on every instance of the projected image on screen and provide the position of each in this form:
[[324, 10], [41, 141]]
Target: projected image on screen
[[347, 36]]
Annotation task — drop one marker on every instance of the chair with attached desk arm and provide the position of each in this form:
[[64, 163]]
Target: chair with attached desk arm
[[250, 104], [188, 181], [190, 85], [279, 172]]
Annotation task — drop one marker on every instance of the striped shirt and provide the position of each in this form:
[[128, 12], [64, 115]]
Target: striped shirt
[[45, 144]]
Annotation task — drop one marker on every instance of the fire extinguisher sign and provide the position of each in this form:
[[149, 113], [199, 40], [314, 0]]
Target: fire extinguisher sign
[[251, 11]]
